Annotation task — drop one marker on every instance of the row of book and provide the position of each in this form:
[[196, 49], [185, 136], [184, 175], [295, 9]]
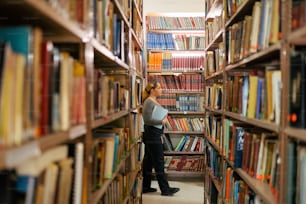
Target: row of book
[[297, 86], [73, 10], [42, 86], [256, 32], [255, 94], [213, 128], [187, 143], [108, 87], [184, 163], [53, 177], [184, 102], [109, 28], [213, 96], [253, 150], [171, 23], [214, 60], [232, 7], [168, 41], [184, 124], [298, 14], [231, 186], [296, 185], [235, 190], [168, 61], [212, 28], [184, 82], [136, 22], [109, 147], [117, 190]]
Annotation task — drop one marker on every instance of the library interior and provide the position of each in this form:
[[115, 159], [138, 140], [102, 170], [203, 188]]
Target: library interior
[[152, 101]]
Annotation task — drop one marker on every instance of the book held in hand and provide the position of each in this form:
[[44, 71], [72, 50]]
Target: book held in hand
[[159, 113]]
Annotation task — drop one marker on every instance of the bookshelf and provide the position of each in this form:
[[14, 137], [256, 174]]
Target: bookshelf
[[271, 48], [78, 68], [175, 58]]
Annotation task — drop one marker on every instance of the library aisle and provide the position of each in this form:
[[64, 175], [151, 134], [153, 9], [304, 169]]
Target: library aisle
[[191, 193]]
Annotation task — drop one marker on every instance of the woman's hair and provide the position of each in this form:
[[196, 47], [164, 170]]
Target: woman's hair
[[146, 92]]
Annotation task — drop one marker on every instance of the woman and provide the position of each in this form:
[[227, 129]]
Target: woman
[[154, 153]]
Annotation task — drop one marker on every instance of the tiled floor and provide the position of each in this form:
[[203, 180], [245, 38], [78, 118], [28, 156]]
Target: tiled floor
[[190, 193]]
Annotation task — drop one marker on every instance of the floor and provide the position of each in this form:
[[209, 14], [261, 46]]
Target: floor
[[190, 193]]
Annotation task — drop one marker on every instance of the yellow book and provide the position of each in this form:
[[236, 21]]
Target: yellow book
[[20, 70], [66, 69], [50, 180], [275, 22], [7, 99], [64, 181], [252, 96], [109, 157]]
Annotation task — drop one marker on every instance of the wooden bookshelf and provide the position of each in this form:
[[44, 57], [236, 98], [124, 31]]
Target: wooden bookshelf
[[277, 54], [77, 32]]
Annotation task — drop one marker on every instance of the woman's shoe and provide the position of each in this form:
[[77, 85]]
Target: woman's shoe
[[170, 191], [149, 190]]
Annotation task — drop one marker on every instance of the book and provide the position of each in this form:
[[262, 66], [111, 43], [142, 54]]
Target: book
[[78, 174], [64, 181], [297, 87], [159, 113], [167, 143]]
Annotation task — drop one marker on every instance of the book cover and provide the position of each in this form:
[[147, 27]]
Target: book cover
[[239, 141], [159, 113]]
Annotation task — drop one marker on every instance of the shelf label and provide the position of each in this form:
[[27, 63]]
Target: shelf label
[[20, 154]]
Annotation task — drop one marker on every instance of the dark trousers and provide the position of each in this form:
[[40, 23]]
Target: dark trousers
[[153, 158]]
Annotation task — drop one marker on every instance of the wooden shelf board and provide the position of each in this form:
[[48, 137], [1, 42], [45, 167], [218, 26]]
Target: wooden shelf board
[[103, 121], [255, 57], [243, 9], [259, 123], [41, 14], [214, 110], [215, 75], [215, 42], [297, 133], [298, 36], [217, 6], [96, 196]]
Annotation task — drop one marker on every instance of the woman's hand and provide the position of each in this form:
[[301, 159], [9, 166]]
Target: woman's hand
[[164, 120]]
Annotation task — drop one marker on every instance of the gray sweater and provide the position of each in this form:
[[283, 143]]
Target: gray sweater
[[147, 109]]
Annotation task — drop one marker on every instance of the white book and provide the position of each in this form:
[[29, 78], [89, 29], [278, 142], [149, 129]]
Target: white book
[[78, 175]]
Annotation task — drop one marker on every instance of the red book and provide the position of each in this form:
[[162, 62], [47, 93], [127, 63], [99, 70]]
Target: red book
[[46, 54]]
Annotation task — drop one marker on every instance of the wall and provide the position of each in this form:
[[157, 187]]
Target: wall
[[173, 6]]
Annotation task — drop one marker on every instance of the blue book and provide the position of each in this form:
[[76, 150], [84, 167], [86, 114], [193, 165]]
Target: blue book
[[258, 100], [20, 38], [159, 113], [239, 140], [116, 159]]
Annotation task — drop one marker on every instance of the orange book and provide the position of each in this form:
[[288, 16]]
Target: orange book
[[228, 184]]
